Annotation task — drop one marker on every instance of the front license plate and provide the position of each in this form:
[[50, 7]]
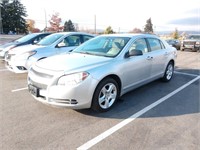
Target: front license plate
[[33, 90]]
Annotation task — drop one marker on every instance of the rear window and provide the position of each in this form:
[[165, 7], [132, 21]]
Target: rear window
[[194, 37]]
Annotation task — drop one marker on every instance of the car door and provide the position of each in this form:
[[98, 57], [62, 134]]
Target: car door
[[68, 43], [136, 69], [158, 55]]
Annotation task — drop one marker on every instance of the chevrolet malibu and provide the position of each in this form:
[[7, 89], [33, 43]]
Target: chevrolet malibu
[[97, 73], [20, 59]]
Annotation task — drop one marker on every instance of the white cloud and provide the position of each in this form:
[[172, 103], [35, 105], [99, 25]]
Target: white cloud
[[123, 14]]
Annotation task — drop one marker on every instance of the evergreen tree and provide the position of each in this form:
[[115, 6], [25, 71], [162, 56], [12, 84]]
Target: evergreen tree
[[109, 30], [149, 26], [69, 26], [13, 17]]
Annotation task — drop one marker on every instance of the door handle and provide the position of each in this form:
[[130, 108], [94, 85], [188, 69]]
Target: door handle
[[149, 58]]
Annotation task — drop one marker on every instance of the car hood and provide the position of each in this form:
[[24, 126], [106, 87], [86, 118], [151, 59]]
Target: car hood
[[3, 46], [72, 62], [24, 48], [191, 40]]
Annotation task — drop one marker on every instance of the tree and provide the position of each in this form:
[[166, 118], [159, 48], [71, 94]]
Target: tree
[[13, 17], [175, 34], [55, 23], [136, 30], [69, 26], [108, 30], [149, 26], [30, 25]]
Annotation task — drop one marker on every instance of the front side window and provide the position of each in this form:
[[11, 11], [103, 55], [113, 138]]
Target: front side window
[[86, 38], [139, 44], [103, 46], [72, 40], [154, 44]]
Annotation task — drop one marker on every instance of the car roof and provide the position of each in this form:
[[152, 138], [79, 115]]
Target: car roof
[[68, 33], [130, 35]]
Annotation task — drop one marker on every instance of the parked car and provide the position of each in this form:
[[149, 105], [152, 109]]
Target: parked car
[[25, 40], [20, 59], [191, 42], [97, 73], [174, 42]]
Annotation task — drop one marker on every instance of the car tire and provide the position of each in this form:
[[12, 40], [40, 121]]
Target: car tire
[[169, 71], [105, 95], [182, 49]]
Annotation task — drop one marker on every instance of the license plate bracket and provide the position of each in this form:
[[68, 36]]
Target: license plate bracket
[[33, 90]]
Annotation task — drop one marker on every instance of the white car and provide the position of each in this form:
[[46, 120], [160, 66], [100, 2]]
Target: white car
[[97, 73], [25, 40], [21, 58]]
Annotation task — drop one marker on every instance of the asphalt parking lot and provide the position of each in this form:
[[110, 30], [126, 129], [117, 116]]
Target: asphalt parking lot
[[155, 116]]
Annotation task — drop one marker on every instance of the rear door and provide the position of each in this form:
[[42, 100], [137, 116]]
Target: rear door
[[158, 55]]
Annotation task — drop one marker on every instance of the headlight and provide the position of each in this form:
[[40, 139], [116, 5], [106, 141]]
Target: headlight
[[197, 43], [72, 79], [26, 55]]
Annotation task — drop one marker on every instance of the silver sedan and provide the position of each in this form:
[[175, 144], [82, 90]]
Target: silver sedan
[[98, 72], [21, 58]]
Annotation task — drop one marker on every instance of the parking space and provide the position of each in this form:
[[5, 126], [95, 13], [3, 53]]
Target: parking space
[[155, 116]]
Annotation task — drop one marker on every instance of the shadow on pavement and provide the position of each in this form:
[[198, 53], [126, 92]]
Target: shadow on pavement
[[187, 101]]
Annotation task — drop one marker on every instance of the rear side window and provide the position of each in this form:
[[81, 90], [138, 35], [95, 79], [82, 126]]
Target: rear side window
[[86, 37], [155, 44]]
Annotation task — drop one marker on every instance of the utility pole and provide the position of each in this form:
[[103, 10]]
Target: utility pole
[[95, 24], [45, 18]]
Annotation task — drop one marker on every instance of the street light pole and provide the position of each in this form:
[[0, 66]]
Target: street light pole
[[95, 30]]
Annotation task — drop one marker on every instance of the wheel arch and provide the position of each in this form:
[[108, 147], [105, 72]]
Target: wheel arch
[[116, 78]]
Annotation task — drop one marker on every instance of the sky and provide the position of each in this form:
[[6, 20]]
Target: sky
[[121, 15]]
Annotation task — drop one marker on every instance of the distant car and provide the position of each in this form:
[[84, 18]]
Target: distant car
[[25, 40], [20, 59], [97, 73], [174, 42], [191, 42]]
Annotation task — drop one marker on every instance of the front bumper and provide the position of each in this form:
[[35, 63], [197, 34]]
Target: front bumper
[[16, 66], [2, 55], [75, 97], [192, 47]]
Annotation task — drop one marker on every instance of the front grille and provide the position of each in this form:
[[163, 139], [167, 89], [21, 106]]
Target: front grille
[[38, 85], [43, 75], [189, 43]]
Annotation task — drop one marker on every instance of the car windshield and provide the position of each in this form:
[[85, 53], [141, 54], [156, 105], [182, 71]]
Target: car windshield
[[48, 40], [194, 37], [103, 46], [26, 38]]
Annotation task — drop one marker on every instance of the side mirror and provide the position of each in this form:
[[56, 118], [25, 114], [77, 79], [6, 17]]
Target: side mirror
[[61, 44], [133, 53], [35, 41]]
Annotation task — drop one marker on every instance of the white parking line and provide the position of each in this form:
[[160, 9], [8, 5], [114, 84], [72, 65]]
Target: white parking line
[[21, 89], [110, 131], [3, 70], [188, 74]]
